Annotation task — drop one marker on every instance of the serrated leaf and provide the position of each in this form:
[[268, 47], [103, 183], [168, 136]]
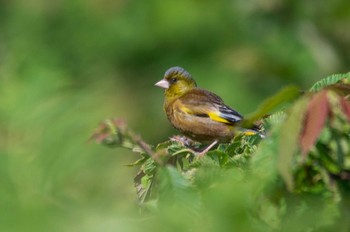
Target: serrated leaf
[[289, 139], [138, 162], [174, 188], [218, 156], [149, 166], [330, 80], [143, 184], [275, 119], [164, 145], [315, 118]]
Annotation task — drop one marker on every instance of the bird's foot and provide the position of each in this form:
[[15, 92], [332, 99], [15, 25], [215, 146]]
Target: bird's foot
[[192, 145]]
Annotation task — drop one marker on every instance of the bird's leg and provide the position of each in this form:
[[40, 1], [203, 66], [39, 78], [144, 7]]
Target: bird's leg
[[186, 142], [202, 153]]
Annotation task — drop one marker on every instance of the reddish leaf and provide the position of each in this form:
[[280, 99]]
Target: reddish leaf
[[108, 128], [315, 118], [101, 133], [345, 107]]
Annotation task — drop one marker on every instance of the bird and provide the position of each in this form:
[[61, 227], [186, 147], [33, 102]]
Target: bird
[[197, 113]]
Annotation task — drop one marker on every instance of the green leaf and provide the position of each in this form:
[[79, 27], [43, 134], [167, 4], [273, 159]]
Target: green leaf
[[143, 184], [289, 140], [138, 162], [176, 190], [144, 180], [219, 156], [274, 119], [330, 80], [285, 95], [149, 167], [326, 160]]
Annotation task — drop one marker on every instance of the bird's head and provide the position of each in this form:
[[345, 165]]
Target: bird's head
[[176, 82]]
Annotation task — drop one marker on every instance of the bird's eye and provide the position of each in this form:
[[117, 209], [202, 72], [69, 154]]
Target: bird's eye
[[173, 80]]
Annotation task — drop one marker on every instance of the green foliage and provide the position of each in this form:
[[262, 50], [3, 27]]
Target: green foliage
[[297, 175], [289, 141], [271, 104], [331, 80], [65, 65]]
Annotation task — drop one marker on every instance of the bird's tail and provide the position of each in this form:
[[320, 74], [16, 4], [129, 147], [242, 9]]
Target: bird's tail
[[255, 129]]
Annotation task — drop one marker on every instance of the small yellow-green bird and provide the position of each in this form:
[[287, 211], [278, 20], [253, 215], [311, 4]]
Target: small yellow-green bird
[[197, 113]]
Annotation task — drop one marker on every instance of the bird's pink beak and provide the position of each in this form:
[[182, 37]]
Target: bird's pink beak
[[163, 84]]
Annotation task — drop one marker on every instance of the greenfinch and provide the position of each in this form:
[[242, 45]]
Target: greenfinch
[[197, 113]]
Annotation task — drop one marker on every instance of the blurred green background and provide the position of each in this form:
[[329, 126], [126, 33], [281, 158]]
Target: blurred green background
[[67, 65]]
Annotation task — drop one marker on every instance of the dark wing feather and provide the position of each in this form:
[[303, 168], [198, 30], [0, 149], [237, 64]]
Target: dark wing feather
[[203, 103], [229, 114]]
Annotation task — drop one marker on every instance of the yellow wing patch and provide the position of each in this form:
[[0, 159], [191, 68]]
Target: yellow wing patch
[[213, 116]]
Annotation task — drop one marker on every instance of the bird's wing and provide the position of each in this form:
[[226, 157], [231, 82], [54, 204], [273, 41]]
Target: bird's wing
[[202, 103]]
